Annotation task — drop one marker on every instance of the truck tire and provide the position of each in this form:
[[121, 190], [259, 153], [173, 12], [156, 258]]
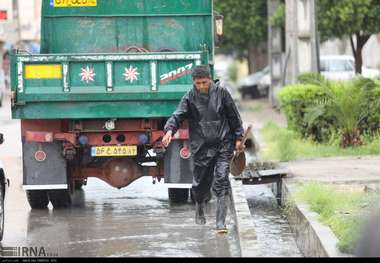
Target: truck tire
[[60, 198], [178, 195], [208, 197], [78, 184], [2, 191], [37, 199]]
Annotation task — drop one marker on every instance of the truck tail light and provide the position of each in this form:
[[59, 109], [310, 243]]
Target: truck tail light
[[32, 136], [121, 138]]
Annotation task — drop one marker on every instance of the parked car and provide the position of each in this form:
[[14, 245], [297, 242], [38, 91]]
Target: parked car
[[255, 85], [342, 67]]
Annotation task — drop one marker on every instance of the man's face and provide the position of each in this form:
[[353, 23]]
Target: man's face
[[202, 85]]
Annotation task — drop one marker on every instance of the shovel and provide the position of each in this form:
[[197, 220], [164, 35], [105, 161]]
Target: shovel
[[238, 161]]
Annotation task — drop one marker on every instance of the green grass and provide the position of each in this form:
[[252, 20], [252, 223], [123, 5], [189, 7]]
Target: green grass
[[284, 145], [343, 212], [256, 108]]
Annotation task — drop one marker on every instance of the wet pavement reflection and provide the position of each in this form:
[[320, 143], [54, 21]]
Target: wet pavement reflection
[[137, 221], [274, 236]]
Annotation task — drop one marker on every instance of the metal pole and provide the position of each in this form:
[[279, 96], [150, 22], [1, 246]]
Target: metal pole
[[302, 38], [16, 18], [275, 53]]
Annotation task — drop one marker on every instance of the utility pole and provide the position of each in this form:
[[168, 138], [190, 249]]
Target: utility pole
[[275, 44], [302, 41], [16, 19]]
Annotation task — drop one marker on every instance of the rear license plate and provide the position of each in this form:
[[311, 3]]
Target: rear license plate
[[103, 151]]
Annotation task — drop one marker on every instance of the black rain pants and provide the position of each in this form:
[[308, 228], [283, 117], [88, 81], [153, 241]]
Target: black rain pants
[[211, 170]]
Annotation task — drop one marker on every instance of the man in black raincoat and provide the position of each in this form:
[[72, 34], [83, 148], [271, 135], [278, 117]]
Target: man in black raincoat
[[215, 129]]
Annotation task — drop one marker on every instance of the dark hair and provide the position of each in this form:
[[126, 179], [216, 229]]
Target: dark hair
[[200, 72]]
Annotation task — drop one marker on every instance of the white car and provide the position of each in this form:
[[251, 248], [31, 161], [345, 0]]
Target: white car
[[342, 67]]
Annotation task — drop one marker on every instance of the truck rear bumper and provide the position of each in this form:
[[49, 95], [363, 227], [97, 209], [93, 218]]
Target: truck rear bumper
[[45, 187]]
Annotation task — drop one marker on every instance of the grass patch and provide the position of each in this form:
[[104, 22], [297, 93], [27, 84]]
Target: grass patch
[[256, 108], [284, 145], [341, 211]]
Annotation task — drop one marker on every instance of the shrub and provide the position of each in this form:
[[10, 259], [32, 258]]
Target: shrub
[[320, 109], [295, 101], [312, 79]]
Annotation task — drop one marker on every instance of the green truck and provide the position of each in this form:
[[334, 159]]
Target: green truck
[[95, 101]]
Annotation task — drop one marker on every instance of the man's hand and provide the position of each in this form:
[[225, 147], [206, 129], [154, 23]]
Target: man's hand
[[167, 138], [240, 147]]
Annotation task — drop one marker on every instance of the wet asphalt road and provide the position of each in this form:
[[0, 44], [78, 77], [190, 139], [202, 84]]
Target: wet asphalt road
[[133, 222], [136, 221]]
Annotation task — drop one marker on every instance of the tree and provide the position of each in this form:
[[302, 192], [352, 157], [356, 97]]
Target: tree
[[245, 29], [359, 18]]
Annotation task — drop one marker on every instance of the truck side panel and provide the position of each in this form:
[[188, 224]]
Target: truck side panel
[[116, 25]]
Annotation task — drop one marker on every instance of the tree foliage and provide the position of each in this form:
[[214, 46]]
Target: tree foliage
[[340, 18], [245, 24]]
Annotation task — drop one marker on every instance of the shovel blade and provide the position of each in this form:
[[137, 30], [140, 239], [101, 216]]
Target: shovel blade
[[238, 164]]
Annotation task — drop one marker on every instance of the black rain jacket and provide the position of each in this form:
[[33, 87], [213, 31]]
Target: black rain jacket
[[213, 118]]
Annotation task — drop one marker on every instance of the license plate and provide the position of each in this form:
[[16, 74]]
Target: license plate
[[103, 151]]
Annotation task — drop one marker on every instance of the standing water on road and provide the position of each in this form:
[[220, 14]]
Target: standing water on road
[[274, 236], [137, 221]]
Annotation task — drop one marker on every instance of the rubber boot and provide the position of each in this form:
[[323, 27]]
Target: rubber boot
[[221, 213], [200, 218]]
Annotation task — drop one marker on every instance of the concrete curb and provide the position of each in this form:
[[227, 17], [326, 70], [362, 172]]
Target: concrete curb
[[313, 238], [243, 218]]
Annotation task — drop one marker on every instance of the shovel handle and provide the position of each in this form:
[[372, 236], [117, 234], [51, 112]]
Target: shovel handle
[[245, 136]]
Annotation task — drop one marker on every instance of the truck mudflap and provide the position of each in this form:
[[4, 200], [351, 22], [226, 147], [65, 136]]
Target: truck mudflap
[[44, 166], [178, 170]]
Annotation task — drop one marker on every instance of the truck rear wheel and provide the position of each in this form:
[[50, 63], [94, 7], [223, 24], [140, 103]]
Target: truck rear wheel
[[178, 195], [2, 191], [60, 198], [78, 184], [37, 199]]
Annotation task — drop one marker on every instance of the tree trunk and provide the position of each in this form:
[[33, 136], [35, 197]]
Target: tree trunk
[[361, 40], [257, 57], [359, 59]]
